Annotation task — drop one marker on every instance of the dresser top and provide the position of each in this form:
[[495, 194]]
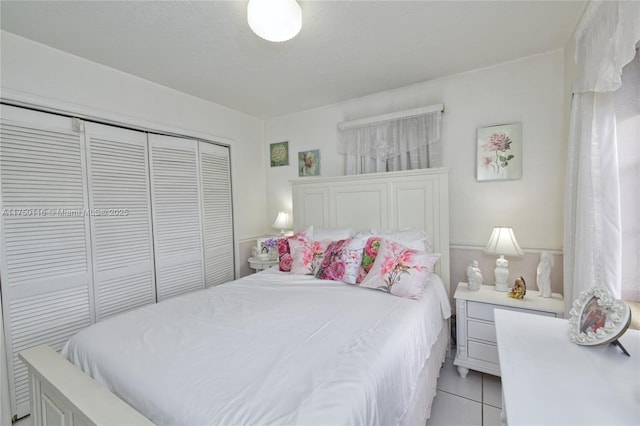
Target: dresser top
[[571, 384], [488, 294]]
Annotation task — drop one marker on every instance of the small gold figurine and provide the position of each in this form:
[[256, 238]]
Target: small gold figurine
[[519, 289]]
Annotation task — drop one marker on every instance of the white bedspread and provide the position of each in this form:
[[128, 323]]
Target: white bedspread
[[269, 348]]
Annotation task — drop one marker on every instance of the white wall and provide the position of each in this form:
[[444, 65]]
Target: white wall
[[38, 74], [529, 90]]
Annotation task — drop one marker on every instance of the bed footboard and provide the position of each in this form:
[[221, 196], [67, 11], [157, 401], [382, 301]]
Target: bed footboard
[[62, 394]]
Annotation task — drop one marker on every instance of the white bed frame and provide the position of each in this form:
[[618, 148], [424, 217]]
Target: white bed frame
[[417, 199], [62, 394]]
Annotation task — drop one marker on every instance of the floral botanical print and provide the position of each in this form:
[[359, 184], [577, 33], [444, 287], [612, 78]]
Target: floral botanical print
[[399, 270], [369, 256], [307, 256], [499, 152], [342, 261], [498, 144], [284, 252]]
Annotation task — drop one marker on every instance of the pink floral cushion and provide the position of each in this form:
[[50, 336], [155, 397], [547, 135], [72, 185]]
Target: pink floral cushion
[[400, 271], [342, 261], [284, 252], [371, 248], [306, 256]]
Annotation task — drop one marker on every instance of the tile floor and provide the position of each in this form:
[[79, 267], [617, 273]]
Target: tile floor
[[475, 400]]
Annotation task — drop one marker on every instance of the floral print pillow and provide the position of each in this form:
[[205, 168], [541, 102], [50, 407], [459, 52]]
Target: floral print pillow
[[371, 248], [400, 271], [342, 261], [306, 256], [284, 252]]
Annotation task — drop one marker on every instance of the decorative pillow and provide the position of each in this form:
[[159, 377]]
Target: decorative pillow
[[400, 271], [332, 234], [284, 251], [307, 256], [410, 238], [342, 261], [371, 248]]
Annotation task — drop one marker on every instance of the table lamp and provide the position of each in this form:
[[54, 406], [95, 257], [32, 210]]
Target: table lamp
[[502, 242], [282, 222]]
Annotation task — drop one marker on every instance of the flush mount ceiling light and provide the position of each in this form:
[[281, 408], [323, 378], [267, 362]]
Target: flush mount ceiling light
[[274, 20]]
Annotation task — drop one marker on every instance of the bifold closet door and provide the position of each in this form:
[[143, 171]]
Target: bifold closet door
[[120, 202], [217, 213], [177, 209], [45, 270]]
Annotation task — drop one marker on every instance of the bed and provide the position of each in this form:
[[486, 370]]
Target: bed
[[280, 348]]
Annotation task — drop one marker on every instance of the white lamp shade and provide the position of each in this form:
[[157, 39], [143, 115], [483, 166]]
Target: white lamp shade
[[282, 221], [274, 20], [503, 242]]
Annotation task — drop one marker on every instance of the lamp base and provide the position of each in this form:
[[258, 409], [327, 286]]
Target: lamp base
[[501, 273], [501, 287]]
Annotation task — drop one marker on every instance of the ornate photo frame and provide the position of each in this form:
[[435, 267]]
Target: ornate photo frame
[[597, 318]]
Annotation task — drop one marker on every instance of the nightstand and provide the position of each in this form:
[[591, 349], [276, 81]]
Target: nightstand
[[476, 333], [261, 264]]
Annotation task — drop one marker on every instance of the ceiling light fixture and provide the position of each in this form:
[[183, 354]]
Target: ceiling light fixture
[[274, 20]]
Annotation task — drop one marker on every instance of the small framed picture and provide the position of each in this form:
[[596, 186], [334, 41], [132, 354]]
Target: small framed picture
[[309, 163], [279, 154], [263, 252], [597, 318], [499, 152]]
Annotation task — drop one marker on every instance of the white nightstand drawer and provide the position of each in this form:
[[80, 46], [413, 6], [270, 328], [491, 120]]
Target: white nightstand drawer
[[481, 330], [484, 311], [483, 352], [476, 335]]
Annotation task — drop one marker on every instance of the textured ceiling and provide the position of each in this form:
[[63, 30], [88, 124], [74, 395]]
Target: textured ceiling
[[346, 49]]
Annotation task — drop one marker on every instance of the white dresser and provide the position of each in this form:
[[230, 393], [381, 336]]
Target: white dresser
[[476, 334], [568, 384]]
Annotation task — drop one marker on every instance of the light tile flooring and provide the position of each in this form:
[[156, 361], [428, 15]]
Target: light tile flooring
[[475, 400]]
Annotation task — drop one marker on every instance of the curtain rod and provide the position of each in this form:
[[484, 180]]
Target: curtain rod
[[391, 116]]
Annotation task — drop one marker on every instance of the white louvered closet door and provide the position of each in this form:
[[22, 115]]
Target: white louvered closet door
[[120, 201], [217, 213], [46, 279], [176, 206]]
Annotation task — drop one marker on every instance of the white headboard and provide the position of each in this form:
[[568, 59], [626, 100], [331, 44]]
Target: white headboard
[[417, 199]]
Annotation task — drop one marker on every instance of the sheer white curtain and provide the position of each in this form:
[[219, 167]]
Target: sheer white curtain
[[627, 104], [405, 143], [605, 42]]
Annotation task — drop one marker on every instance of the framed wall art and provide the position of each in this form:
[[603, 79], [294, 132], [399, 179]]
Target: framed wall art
[[499, 152], [309, 163], [279, 154]]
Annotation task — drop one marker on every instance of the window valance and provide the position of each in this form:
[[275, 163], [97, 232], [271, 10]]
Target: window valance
[[605, 42], [399, 141]]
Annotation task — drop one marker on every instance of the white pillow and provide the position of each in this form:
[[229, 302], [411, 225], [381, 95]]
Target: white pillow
[[410, 238], [332, 234]]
